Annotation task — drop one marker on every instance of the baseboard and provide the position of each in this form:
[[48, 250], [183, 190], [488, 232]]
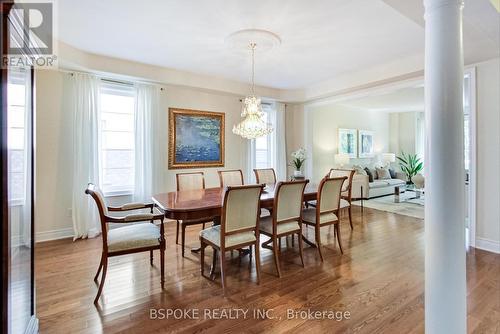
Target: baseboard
[[54, 234], [488, 245]]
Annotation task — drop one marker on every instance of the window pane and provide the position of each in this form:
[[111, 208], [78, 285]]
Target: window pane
[[117, 137]]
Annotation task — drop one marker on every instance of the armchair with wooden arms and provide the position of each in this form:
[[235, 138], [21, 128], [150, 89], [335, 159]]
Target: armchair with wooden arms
[[132, 238]]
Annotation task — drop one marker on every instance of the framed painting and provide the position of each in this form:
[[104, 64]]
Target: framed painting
[[365, 143], [196, 138], [347, 142]]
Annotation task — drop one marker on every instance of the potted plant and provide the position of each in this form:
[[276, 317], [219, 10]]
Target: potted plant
[[298, 159], [410, 164]]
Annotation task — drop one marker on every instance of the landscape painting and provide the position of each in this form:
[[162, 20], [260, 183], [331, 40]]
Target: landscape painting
[[347, 142], [196, 139]]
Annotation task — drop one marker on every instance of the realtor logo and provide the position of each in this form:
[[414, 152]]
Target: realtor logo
[[30, 28]]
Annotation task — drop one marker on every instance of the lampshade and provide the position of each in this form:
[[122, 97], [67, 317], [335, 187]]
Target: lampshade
[[388, 157], [342, 159]]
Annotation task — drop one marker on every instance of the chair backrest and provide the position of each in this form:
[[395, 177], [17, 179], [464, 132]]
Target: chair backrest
[[230, 178], [289, 197], [329, 193], [265, 176], [349, 173], [240, 209], [190, 181], [98, 197]]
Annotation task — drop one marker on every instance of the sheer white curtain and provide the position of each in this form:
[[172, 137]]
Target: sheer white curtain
[[278, 121], [83, 101], [250, 178], [28, 122], [149, 134]]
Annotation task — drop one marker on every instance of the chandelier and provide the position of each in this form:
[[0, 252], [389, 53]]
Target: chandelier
[[253, 125]]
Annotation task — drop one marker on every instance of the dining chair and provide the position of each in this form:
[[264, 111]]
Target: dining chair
[[346, 197], [189, 181], [327, 209], [265, 176], [286, 218], [132, 238], [239, 227], [230, 178]]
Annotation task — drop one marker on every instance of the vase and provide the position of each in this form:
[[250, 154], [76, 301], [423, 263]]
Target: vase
[[297, 173]]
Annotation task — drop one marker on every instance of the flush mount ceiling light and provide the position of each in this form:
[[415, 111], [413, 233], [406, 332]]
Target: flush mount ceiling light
[[253, 125]]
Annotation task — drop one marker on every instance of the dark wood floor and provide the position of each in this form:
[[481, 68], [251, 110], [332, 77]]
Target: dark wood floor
[[379, 280]]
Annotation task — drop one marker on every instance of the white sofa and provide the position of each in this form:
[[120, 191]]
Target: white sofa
[[377, 187]]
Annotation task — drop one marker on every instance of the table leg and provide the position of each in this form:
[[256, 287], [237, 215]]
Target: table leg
[[197, 249]]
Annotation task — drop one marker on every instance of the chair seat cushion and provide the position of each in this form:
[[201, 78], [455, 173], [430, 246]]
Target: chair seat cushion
[[133, 236], [309, 215], [266, 225], [212, 234], [344, 203]]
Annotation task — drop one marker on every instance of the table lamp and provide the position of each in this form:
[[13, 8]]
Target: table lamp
[[388, 158]]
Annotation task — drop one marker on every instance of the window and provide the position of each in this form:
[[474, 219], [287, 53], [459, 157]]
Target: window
[[16, 115], [264, 145], [117, 138], [467, 130]]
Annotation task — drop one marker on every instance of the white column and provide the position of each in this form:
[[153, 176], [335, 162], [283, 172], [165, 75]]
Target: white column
[[445, 285]]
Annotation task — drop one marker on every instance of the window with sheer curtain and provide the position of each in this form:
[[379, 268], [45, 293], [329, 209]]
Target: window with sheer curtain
[[264, 146], [16, 134], [117, 138]]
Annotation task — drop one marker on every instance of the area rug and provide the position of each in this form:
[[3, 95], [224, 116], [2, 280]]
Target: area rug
[[412, 208]]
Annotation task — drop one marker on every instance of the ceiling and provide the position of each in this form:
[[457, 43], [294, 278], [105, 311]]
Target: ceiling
[[399, 100], [320, 39]]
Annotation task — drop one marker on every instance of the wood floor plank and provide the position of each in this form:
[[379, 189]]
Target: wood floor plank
[[379, 280]]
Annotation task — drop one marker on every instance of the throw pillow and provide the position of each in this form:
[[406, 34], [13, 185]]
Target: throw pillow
[[383, 173], [369, 173], [358, 170], [393, 173]]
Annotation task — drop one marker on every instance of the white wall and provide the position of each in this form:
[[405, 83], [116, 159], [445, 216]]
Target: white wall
[[321, 134], [54, 147], [488, 155]]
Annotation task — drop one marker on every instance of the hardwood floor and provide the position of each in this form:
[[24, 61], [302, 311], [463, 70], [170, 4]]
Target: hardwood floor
[[379, 280]]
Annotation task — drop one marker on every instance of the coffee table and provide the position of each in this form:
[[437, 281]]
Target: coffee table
[[402, 193]]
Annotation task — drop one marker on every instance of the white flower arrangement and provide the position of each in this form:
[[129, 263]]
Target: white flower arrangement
[[298, 158]]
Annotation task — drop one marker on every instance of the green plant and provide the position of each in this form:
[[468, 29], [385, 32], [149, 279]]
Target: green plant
[[410, 165]]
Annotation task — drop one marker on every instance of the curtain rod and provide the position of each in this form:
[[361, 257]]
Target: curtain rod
[[127, 83]]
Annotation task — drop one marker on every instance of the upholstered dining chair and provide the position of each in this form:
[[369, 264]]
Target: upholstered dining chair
[[132, 238], [265, 176], [189, 181], [286, 218], [230, 178], [346, 198], [327, 209], [239, 227]]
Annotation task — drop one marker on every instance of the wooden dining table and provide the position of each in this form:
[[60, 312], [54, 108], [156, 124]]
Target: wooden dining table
[[207, 203]]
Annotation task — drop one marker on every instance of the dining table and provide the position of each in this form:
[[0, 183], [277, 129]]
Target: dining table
[[207, 203]]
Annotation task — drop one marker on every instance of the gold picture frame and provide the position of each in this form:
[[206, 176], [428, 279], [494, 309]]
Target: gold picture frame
[[196, 138]]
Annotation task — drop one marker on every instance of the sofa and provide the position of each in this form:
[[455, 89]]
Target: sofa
[[378, 187]]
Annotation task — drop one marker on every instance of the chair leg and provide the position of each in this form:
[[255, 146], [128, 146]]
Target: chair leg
[[177, 234], [293, 240], [337, 229], [318, 241], [203, 225], [202, 257], [257, 261], [162, 266], [301, 246], [250, 257], [151, 257], [99, 269], [276, 258], [222, 257], [183, 236], [103, 278], [350, 217], [214, 262]]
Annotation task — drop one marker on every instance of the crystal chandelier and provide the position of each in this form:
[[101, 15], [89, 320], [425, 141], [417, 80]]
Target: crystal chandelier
[[253, 125]]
